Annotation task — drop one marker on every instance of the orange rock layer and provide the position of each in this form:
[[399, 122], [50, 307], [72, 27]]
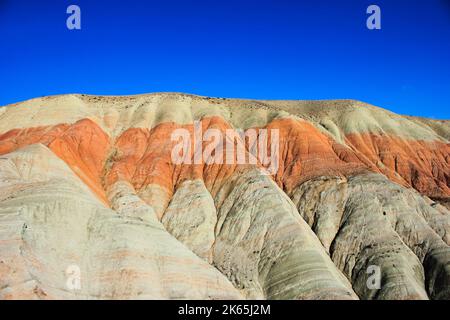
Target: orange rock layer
[[423, 165], [83, 146], [143, 156]]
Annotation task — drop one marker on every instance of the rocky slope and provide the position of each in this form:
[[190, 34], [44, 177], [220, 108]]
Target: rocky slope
[[89, 183]]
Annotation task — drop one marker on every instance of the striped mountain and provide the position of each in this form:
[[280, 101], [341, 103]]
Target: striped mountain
[[88, 181]]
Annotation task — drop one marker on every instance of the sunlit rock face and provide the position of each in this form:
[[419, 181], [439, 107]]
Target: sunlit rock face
[[93, 205]]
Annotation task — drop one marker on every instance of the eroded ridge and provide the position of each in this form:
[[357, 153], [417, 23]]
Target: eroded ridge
[[89, 189]]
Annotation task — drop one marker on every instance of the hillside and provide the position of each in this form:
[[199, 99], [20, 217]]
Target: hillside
[[90, 181]]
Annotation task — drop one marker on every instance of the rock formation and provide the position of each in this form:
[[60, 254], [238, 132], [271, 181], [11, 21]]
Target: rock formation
[[89, 189]]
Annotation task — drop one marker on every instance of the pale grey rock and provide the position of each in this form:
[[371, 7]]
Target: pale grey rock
[[50, 223], [191, 218], [368, 220], [265, 248]]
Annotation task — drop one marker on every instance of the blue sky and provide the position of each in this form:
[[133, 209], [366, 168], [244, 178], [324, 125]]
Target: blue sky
[[236, 48]]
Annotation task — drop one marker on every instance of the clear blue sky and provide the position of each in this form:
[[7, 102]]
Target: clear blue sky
[[260, 49]]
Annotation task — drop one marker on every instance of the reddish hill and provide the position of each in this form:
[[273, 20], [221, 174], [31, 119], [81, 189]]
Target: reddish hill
[[345, 170]]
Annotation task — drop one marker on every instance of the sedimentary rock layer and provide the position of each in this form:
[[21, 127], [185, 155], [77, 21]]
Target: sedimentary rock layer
[[89, 184]]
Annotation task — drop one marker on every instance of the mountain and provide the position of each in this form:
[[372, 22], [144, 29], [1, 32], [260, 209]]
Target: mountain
[[93, 204]]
